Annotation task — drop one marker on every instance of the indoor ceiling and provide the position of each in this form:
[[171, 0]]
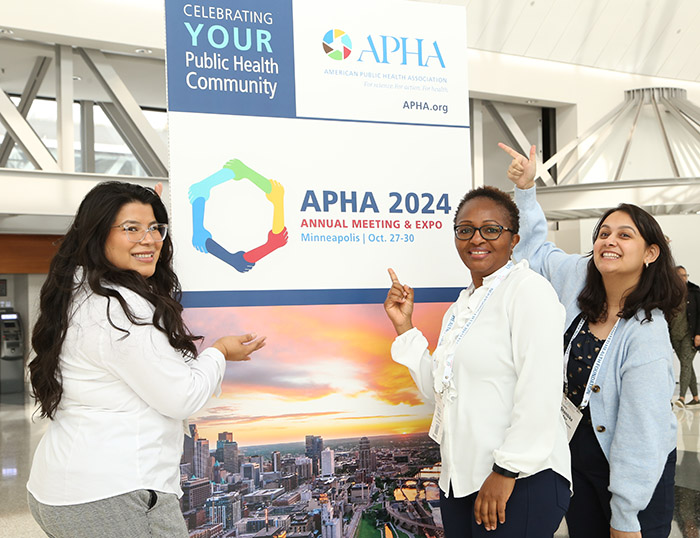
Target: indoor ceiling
[[659, 38], [647, 37]]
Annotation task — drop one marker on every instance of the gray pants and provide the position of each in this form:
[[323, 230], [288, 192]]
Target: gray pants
[[138, 514]]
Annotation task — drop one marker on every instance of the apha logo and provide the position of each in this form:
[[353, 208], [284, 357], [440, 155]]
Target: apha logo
[[385, 49], [337, 44]]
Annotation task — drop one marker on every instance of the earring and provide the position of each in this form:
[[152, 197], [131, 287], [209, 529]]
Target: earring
[[646, 264]]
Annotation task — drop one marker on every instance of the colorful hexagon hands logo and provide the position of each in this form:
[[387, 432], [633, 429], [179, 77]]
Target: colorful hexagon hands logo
[[202, 239], [337, 44]]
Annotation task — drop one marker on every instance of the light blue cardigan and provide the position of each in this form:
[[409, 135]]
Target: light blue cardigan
[[636, 378]]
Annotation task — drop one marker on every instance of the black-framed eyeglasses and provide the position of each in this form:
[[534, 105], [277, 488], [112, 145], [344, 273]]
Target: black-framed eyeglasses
[[490, 232], [137, 233]]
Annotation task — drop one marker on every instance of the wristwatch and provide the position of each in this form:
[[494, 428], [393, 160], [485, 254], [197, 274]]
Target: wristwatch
[[504, 472]]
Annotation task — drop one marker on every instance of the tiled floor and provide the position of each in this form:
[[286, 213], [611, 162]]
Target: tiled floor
[[19, 435]]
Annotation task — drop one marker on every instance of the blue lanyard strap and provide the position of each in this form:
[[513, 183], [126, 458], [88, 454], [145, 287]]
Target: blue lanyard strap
[[447, 375]]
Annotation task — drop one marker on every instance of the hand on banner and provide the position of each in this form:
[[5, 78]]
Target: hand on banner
[[199, 190], [522, 170], [399, 304], [239, 348], [242, 171], [490, 503], [234, 259], [199, 239], [202, 189], [274, 241], [276, 194]]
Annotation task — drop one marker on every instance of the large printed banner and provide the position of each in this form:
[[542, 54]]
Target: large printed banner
[[313, 144]]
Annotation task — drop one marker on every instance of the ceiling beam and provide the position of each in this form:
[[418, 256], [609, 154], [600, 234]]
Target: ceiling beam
[[24, 135], [127, 106], [36, 77]]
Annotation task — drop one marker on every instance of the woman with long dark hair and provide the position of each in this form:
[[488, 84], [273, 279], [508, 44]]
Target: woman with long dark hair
[[117, 372], [619, 374]]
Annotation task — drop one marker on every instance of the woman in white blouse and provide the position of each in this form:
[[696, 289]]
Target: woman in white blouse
[[117, 372], [496, 380]]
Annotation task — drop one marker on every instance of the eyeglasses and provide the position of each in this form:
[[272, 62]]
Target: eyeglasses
[[490, 232], [137, 233]]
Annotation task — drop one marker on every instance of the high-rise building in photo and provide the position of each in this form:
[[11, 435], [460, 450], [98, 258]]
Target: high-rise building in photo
[[303, 467], [331, 527], [224, 438], [195, 493], [224, 508], [328, 462], [230, 456], [202, 459], [364, 454], [260, 460], [314, 447], [276, 461], [188, 445], [251, 471]]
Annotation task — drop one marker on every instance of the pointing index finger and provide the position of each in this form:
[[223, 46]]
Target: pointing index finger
[[510, 151], [394, 278]]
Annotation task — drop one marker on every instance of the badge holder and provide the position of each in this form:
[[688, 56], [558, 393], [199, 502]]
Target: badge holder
[[572, 416]]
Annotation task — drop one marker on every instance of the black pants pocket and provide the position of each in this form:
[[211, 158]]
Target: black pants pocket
[[153, 499]]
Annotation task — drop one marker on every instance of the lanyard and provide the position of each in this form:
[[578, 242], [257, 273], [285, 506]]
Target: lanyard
[[595, 370], [447, 375]]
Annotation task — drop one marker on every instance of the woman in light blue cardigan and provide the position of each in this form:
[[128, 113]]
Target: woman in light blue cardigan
[[619, 375]]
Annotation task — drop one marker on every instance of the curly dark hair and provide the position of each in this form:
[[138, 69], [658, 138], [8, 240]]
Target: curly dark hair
[[83, 246], [500, 197], [659, 286]]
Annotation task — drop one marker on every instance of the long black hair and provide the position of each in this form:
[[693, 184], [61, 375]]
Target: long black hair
[[658, 287], [83, 246]]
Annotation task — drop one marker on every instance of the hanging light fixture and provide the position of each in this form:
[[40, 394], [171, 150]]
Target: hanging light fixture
[[645, 151]]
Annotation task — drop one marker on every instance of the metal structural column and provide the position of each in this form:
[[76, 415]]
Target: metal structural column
[[87, 136], [64, 104], [476, 131]]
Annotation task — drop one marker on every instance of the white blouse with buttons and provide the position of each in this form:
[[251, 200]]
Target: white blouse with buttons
[[508, 379], [119, 425]]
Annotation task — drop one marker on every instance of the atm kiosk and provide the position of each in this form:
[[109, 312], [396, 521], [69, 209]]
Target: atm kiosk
[[11, 352]]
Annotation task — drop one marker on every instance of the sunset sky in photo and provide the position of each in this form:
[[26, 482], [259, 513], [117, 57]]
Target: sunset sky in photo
[[326, 370]]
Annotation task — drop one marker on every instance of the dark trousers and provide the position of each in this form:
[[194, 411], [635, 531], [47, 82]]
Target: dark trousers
[[589, 513], [534, 510]]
